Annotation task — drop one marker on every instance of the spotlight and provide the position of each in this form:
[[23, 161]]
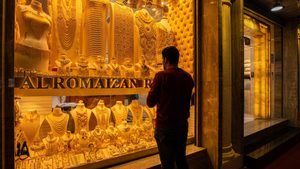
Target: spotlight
[[277, 7]]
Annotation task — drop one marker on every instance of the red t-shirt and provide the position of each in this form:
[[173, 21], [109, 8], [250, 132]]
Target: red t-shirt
[[171, 91]]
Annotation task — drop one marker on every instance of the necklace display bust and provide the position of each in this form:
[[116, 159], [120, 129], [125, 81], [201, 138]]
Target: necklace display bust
[[102, 115], [83, 140], [32, 51], [120, 112], [63, 64], [137, 112], [81, 116], [58, 122], [114, 68], [30, 125], [98, 135], [51, 143], [100, 66], [67, 139]]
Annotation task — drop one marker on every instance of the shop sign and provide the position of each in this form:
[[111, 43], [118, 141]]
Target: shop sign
[[38, 82]]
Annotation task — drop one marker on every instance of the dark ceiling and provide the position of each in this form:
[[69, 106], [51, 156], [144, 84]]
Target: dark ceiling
[[291, 7]]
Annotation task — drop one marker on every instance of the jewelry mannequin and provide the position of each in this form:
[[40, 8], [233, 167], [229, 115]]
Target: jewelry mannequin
[[124, 129], [81, 116], [137, 112], [67, 140], [151, 112], [147, 35], [164, 33], [82, 140], [38, 148], [82, 66], [98, 136], [120, 112], [32, 51], [112, 133], [121, 32], [148, 130], [127, 68], [102, 115], [58, 122], [101, 66], [63, 64], [51, 143], [114, 68], [30, 125]]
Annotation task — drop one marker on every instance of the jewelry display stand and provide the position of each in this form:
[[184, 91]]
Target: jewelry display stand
[[81, 116]]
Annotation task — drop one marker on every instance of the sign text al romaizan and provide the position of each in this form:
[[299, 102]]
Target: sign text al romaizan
[[36, 82]]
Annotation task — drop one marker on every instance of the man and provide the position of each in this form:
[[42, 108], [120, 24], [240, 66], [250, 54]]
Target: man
[[171, 91]]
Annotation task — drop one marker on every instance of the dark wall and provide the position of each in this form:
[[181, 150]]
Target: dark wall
[[7, 93], [290, 72], [237, 75]]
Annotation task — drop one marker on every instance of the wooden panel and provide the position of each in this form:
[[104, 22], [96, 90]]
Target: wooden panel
[[290, 72], [209, 89], [237, 75]]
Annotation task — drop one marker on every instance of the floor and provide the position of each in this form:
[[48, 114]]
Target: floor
[[288, 160], [258, 125]]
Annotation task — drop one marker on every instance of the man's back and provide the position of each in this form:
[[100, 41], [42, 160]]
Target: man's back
[[171, 91]]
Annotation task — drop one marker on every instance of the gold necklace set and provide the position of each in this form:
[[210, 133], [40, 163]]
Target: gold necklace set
[[58, 123], [66, 22]]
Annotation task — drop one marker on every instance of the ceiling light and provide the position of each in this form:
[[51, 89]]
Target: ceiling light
[[277, 7]]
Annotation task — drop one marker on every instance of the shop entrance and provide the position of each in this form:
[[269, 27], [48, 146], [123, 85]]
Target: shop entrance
[[256, 70]]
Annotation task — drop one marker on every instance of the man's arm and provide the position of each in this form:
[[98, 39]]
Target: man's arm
[[154, 93]]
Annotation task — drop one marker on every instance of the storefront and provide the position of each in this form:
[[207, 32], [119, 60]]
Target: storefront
[[82, 70]]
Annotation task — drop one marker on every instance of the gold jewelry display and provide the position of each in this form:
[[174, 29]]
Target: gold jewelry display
[[32, 50], [120, 112], [98, 136], [66, 22], [58, 122], [102, 114], [121, 32], [67, 138], [100, 66], [94, 27], [146, 25], [127, 69], [51, 143], [137, 112], [114, 68], [30, 125], [81, 116]]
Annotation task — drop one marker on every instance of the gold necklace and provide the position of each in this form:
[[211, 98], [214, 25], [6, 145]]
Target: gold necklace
[[82, 119], [58, 123], [123, 32], [66, 23], [120, 113], [137, 111]]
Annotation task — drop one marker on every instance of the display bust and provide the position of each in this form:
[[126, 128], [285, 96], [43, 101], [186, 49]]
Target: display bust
[[120, 112], [137, 112], [81, 116], [58, 122], [30, 125], [32, 50], [102, 115]]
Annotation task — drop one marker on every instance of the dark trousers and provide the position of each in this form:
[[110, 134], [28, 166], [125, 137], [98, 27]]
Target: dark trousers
[[171, 145]]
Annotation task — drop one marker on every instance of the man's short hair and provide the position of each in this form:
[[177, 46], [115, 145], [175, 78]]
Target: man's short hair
[[171, 54]]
